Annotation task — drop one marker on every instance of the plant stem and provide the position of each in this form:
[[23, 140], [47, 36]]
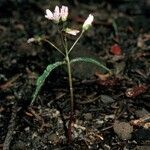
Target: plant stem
[[54, 46], [61, 37], [75, 42], [70, 83], [71, 120], [71, 99], [69, 72]]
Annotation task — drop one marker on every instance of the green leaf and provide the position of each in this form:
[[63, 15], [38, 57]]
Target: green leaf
[[42, 78], [90, 60]]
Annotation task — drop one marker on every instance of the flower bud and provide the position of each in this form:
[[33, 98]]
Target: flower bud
[[88, 22]]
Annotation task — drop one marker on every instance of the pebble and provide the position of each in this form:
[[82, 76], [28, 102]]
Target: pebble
[[143, 148], [123, 130], [87, 116], [106, 99], [141, 113], [107, 117], [53, 138]]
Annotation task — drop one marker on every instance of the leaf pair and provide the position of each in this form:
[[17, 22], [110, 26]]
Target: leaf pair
[[51, 67]]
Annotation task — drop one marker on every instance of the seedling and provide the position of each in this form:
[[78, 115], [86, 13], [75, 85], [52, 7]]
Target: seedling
[[59, 17]]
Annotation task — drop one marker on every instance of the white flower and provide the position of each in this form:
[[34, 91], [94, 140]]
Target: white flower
[[71, 31], [58, 14], [53, 16], [64, 13], [49, 14], [88, 22]]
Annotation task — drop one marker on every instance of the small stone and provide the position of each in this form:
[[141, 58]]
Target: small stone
[[107, 147], [142, 147], [141, 113], [98, 123], [20, 145], [106, 99], [53, 138], [123, 130], [88, 116], [27, 129], [107, 117], [142, 135]]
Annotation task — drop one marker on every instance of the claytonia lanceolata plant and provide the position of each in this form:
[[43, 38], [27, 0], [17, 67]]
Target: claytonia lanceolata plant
[[59, 16]]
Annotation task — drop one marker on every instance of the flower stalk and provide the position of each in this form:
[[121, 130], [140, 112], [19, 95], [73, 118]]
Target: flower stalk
[[50, 43], [76, 41]]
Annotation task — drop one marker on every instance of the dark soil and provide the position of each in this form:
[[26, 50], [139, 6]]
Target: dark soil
[[111, 112]]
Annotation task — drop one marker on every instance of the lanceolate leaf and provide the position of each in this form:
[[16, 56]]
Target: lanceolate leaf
[[42, 78], [90, 60]]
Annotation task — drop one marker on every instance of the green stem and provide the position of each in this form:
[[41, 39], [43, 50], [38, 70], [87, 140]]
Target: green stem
[[75, 42], [54, 46], [70, 83], [61, 37]]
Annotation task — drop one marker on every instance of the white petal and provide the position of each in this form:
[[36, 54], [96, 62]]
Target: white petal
[[56, 10], [56, 14], [71, 31], [49, 14], [64, 13]]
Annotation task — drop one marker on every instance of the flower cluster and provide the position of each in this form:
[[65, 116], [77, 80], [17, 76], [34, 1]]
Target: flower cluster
[[62, 14], [58, 15]]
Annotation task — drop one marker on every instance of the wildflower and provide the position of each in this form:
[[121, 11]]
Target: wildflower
[[49, 14], [53, 16], [71, 31], [88, 22], [58, 14], [64, 13]]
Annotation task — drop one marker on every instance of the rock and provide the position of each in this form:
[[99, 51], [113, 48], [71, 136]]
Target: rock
[[141, 113], [98, 123], [20, 145], [106, 99], [123, 130], [143, 147], [108, 117], [142, 135], [53, 138], [88, 116]]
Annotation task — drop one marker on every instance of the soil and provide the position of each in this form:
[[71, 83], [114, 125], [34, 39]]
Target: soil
[[111, 111]]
